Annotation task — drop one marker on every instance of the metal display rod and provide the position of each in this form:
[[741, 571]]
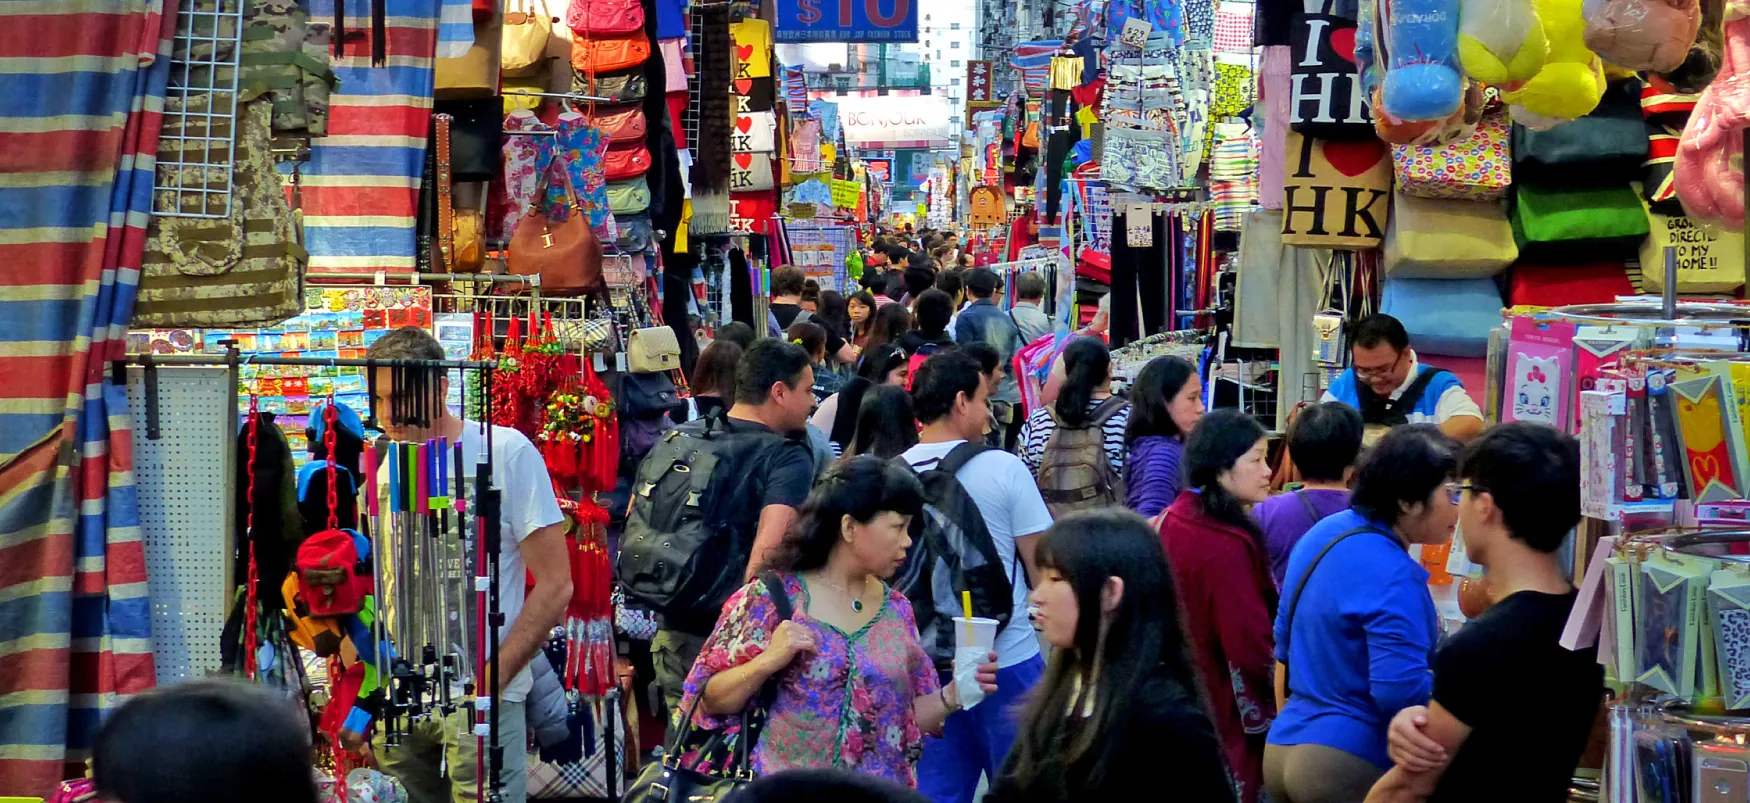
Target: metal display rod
[[205, 359], [533, 280]]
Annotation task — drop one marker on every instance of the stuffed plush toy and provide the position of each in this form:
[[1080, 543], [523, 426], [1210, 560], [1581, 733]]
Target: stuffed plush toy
[[1642, 34], [1572, 79], [1422, 82], [1707, 183], [1500, 42], [1431, 133]]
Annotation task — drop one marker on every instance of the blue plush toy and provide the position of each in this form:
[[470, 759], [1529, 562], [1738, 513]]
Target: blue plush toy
[[1422, 81]]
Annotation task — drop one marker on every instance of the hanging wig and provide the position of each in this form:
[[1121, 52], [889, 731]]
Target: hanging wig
[[716, 66]]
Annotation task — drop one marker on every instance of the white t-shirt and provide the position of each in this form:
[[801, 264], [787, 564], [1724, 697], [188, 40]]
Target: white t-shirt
[[526, 504], [1002, 487]]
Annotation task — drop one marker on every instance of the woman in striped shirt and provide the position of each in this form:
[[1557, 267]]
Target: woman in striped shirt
[[1083, 376]]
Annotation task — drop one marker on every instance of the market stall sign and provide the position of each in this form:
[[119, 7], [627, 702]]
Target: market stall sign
[[1336, 194], [847, 21], [844, 193], [893, 121]]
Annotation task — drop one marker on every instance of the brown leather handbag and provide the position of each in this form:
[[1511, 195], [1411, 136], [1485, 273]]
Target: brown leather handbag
[[565, 254]]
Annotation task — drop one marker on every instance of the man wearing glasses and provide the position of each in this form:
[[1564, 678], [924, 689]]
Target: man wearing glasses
[[1390, 388]]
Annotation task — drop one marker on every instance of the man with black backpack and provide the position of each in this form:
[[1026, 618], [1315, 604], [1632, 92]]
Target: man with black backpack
[[981, 503], [712, 498]]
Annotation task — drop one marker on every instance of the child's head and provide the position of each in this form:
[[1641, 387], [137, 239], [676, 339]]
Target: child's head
[[204, 740], [1324, 441]]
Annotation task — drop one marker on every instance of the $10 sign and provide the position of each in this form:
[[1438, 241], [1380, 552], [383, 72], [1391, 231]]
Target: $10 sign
[[846, 21]]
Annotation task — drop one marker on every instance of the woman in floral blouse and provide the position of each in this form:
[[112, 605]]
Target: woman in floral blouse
[[855, 687]]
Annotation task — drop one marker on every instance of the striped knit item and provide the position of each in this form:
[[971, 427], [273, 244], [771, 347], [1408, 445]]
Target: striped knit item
[[81, 97], [1033, 61], [361, 185]]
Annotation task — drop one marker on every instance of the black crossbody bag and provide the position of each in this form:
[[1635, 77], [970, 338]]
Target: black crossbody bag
[[1300, 588], [670, 781]]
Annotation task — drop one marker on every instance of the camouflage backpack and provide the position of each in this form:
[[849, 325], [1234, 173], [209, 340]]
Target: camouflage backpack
[[231, 267], [283, 56]]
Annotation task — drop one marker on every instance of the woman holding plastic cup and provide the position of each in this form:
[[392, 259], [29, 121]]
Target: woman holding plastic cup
[[855, 689], [1119, 709]]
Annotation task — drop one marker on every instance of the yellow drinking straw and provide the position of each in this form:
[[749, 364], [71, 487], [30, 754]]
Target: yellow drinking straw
[[966, 602]]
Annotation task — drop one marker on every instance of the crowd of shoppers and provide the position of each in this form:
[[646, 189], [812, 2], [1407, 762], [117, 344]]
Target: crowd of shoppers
[[1163, 621]]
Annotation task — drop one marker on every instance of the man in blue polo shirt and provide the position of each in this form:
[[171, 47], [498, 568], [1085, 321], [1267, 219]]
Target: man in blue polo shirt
[[1387, 384]]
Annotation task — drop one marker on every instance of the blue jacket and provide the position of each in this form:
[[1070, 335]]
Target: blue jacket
[[1363, 640], [986, 322]]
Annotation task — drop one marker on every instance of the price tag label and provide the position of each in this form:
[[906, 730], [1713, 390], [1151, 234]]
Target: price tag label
[[1139, 226], [1135, 33]]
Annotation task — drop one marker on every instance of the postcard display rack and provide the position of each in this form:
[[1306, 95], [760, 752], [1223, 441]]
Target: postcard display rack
[[1659, 397], [422, 540]]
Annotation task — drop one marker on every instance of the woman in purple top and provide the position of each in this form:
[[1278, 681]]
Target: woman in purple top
[[1165, 402], [1323, 442]]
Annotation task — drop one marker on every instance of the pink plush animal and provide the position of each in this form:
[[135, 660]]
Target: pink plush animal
[[1642, 34], [1709, 174]]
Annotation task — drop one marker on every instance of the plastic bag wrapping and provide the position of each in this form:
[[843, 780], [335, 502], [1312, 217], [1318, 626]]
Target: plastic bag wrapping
[[1642, 34], [1500, 42], [1431, 133], [1422, 81], [1709, 173]]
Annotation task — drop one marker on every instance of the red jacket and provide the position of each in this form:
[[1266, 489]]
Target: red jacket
[[1228, 603]]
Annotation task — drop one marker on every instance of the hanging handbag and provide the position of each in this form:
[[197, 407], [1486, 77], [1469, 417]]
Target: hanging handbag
[[1336, 194], [1709, 260], [1437, 239], [1586, 225], [1478, 168], [625, 160], [647, 395], [527, 27], [1606, 146], [625, 87], [1327, 100], [243, 268], [623, 271], [1445, 316], [473, 74], [593, 18], [653, 349], [672, 781], [628, 197], [565, 254], [621, 123], [593, 56]]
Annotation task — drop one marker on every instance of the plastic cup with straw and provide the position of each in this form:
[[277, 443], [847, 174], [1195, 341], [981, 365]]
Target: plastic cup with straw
[[974, 639]]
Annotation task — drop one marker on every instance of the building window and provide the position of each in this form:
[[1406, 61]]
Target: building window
[[953, 26], [954, 63], [954, 45]]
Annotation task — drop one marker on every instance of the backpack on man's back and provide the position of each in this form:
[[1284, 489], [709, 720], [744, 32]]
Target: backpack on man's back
[[679, 553], [952, 551], [1075, 473]]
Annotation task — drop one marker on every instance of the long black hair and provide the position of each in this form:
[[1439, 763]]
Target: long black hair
[[204, 740], [886, 425], [833, 314], [1114, 656], [862, 487], [1087, 365], [1156, 385], [1219, 441], [887, 324]]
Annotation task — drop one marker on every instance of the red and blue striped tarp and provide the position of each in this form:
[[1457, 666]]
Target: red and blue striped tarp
[[361, 185], [81, 96]]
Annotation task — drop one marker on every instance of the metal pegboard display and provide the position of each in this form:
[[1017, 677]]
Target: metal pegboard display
[[183, 482], [197, 146]]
